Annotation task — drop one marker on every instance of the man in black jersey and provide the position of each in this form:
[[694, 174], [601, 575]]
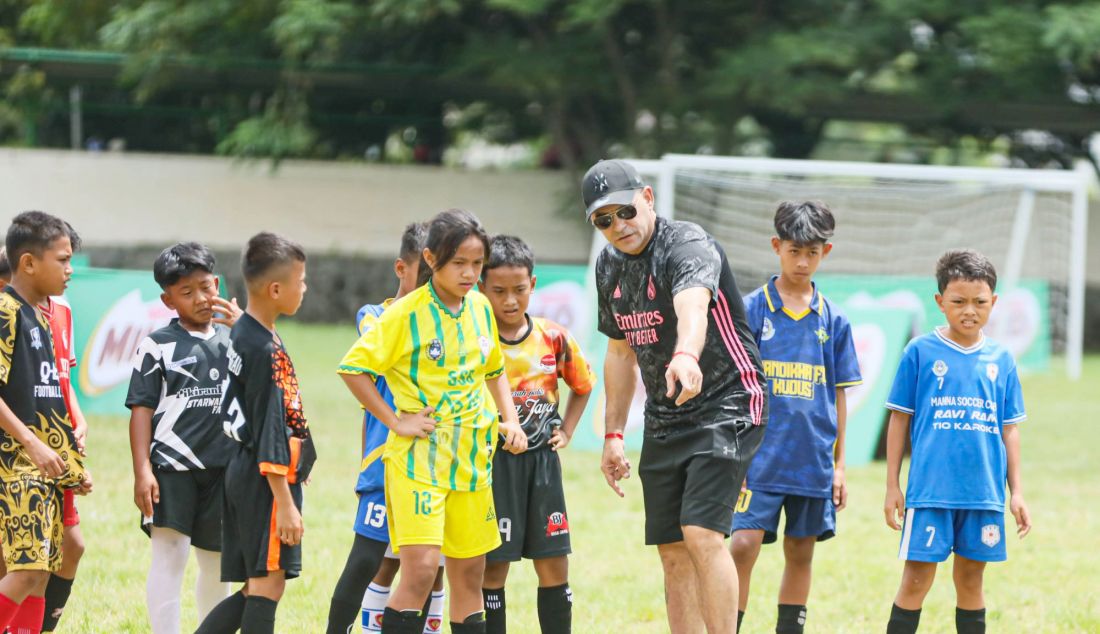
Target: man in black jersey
[[670, 306]]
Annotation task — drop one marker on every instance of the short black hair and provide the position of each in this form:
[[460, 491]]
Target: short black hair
[[179, 261], [34, 231], [266, 251], [446, 233], [5, 264], [804, 223], [412, 241], [509, 251], [965, 264]]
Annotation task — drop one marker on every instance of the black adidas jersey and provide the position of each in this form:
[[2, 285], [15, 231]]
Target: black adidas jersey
[[262, 408], [635, 303], [30, 387], [177, 375]]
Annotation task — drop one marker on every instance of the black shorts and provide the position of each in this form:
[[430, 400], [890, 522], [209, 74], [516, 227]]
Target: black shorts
[[530, 505], [693, 478], [191, 503], [250, 544]]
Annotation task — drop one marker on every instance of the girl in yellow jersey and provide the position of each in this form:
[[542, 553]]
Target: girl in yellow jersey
[[439, 349]]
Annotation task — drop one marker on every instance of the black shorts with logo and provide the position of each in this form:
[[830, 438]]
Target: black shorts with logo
[[191, 503], [250, 544], [693, 477], [530, 505]]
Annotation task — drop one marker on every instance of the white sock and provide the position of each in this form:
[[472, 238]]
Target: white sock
[[209, 589], [434, 625], [374, 604], [162, 588]]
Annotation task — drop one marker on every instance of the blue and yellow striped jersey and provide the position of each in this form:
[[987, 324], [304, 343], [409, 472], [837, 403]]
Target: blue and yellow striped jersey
[[432, 357]]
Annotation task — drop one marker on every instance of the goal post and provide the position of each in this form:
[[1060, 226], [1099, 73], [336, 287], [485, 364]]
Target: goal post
[[894, 220]]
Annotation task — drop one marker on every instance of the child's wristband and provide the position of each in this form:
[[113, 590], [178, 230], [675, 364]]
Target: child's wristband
[[614, 434], [685, 352]]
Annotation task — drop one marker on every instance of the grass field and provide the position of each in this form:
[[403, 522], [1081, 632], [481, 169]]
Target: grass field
[[1048, 584]]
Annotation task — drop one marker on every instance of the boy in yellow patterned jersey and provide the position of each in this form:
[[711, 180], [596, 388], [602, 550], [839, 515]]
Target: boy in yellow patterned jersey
[[527, 488], [38, 451], [438, 350]]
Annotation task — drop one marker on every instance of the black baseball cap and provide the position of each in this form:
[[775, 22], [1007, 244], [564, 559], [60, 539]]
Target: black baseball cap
[[609, 182]]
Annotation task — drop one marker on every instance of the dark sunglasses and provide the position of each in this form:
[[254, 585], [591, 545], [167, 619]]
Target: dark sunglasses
[[626, 212]]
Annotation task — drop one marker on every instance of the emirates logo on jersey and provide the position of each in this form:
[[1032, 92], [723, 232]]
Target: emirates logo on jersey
[[650, 290]]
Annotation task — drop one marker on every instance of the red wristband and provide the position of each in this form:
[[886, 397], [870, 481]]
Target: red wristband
[[614, 434], [685, 352]]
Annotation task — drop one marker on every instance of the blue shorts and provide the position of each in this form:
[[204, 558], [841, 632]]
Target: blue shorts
[[806, 516], [370, 519], [933, 534]]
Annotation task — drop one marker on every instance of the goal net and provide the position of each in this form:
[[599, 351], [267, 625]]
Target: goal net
[[894, 222]]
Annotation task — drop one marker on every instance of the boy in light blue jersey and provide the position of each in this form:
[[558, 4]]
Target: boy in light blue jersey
[[370, 557], [809, 359], [957, 397]]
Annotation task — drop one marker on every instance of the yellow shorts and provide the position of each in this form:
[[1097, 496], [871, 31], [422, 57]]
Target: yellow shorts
[[462, 523], [30, 516]]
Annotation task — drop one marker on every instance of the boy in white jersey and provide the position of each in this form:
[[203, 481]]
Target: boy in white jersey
[[958, 398]]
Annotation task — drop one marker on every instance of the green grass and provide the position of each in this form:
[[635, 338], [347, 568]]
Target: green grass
[[1047, 585]]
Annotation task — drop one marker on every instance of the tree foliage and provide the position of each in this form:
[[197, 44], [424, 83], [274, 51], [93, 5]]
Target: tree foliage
[[644, 77]]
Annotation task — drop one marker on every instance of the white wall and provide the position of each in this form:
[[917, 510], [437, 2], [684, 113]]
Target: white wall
[[351, 208]]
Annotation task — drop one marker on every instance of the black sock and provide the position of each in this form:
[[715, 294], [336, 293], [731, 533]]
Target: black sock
[[402, 622], [424, 612], [474, 624], [259, 616], [970, 621], [792, 618], [903, 621], [347, 598], [225, 618], [57, 595], [555, 605], [740, 617], [496, 620]]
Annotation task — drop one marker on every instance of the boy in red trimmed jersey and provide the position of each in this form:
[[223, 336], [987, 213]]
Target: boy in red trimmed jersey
[[527, 487]]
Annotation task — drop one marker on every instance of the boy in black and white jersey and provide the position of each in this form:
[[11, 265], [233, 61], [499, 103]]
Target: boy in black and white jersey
[[176, 440]]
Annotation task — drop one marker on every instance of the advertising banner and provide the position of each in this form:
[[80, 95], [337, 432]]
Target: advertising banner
[[113, 311], [1020, 319]]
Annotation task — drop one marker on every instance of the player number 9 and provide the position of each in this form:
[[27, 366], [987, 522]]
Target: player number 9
[[505, 525]]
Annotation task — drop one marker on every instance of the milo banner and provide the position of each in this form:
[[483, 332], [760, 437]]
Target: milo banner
[[113, 311]]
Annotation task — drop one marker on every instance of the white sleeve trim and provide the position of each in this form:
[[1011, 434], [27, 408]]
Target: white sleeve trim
[[1015, 419], [899, 408]]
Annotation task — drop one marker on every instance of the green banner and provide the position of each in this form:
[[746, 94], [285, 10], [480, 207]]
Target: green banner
[[1020, 319], [113, 310]]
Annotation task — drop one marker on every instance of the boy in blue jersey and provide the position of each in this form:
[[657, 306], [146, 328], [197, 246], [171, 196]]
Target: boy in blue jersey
[[957, 397], [370, 557], [809, 359]]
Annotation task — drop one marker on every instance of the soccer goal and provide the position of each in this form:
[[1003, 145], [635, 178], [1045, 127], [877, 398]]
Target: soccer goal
[[893, 223]]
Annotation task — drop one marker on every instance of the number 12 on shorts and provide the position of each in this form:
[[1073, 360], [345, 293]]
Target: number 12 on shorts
[[422, 502]]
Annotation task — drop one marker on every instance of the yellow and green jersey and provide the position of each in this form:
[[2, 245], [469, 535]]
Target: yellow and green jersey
[[432, 357]]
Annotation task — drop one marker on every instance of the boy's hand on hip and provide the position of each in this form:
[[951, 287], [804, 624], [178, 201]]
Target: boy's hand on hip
[[683, 369], [419, 424], [558, 440], [894, 508], [515, 440], [840, 489], [288, 525], [1019, 511]]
